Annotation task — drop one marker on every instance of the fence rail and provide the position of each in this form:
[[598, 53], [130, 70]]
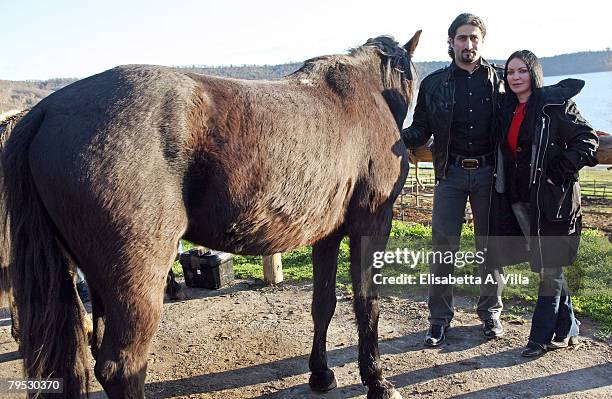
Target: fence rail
[[595, 188], [588, 188], [413, 192]]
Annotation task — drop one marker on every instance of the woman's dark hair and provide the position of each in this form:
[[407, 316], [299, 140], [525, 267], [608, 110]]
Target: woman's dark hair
[[537, 80], [533, 66], [464, 19]]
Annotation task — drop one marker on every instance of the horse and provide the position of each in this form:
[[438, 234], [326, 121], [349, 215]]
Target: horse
[[111, 171]]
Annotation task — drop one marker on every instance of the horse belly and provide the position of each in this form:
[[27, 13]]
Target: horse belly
[[272, 173], [276, 219]]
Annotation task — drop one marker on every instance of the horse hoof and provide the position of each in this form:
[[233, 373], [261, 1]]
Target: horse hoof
[[383, 390], [175, 292], [179, 296], [322, 382], [389, 394]]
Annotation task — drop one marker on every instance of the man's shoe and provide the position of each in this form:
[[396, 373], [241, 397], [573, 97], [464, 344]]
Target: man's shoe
[[533, 350], [436, 335], [560, 343], [492, 328]]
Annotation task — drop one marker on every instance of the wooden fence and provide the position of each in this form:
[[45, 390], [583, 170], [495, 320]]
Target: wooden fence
[[596, 188], [418, 194]]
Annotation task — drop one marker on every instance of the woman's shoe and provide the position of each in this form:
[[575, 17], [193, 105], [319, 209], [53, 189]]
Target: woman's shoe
[[533, 350], [560, 343]]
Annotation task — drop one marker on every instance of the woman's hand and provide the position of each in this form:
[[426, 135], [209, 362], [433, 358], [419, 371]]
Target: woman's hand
[[559, 170]]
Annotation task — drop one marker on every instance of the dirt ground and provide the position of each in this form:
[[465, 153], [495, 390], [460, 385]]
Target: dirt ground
[[249, 341], [597, 213]]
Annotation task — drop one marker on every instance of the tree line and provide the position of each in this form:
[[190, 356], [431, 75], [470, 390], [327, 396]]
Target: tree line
[[24, 94]]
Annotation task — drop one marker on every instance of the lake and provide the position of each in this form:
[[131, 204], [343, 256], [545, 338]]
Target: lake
[[595, 99]]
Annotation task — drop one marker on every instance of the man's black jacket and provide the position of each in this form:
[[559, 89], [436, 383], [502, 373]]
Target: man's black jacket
[[433, 114]]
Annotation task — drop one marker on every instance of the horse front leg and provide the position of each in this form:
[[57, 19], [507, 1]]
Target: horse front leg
[[173, 288], [366, 305], [97, 311], [325, 263]]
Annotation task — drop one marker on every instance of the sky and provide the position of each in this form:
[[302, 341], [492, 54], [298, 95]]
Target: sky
[[69, 38]]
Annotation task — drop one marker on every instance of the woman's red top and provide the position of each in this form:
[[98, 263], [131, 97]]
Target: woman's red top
[[517, 120]]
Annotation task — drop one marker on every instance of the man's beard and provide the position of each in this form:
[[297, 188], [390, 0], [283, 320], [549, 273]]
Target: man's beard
[[469, 56]]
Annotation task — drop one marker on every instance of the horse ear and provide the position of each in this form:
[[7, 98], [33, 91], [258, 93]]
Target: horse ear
[[412, 43]]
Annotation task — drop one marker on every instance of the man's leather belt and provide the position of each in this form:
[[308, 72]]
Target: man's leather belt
[[471, 162]]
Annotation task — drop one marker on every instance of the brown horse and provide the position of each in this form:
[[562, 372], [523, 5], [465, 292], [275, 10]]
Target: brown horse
[[109, 172]]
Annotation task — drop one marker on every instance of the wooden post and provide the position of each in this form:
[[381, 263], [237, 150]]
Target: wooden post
[[273, 269], [416, 176], [604, 152]]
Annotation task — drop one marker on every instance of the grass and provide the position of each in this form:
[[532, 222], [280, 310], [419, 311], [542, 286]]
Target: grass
[[297, 265], [590, 278], [599, 174]]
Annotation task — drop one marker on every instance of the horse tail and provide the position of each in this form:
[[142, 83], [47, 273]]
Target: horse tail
[[5, 130], [6, 127], [51, 333]]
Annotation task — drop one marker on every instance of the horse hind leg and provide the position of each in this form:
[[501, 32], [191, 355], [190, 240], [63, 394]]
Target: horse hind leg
[[15, 332], [369, 235], [132, 309], [325, 263]]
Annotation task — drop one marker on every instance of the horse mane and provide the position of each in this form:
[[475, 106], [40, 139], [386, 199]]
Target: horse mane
[[338, 70]]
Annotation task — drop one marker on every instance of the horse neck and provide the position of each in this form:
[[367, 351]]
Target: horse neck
[[395, 93], [353, 77]]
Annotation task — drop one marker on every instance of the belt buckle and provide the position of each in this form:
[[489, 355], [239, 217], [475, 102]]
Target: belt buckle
[[470, 163]]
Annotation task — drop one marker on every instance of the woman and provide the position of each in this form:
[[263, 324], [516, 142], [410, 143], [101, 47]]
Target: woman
[[543, 143]]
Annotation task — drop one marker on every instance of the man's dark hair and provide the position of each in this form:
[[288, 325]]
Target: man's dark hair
[[464, 19], [533, 65]]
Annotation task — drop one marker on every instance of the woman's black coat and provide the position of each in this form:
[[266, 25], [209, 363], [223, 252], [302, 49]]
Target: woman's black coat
[[558, 130]]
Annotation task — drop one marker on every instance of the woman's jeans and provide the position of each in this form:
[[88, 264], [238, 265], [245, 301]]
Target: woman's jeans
[[553, 313]]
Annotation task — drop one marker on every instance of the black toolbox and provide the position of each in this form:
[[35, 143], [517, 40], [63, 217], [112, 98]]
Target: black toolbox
[[207, 269]]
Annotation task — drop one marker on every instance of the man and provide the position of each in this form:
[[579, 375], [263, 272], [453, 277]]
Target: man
[[457, 104]]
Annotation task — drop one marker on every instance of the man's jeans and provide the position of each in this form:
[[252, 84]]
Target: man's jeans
[[450, 198]]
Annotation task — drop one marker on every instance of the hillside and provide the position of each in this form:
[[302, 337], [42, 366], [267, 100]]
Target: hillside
[[24, 94], [17, 95]]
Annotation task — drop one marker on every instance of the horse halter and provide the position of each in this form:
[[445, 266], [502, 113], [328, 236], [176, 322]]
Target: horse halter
[[398, 55]]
